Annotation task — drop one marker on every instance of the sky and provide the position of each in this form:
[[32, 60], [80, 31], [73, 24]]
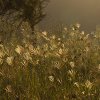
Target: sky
[[86, 12]]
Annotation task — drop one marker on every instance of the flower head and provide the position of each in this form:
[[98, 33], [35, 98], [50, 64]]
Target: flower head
[[72, 64], [51, 78], [27, 56], [8, 89], [9, 60], [88, 84], [78, 25], [19, 49], [44, 33]]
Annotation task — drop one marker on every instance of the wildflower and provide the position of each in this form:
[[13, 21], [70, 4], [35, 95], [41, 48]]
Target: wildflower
[[77, 25], [9, 60], [60, 81], [45, 47], [27, 56], [22, 29], [1, 45], [44, 33], [71, 73], [82, 33], [86, 37], [53, 37], [65, 59], [36, 51], [76, 84], [95, 36], [65, 29], [31, 48], [8, 89], [59, 39], [19, 49], [51, 78], [60, 51], [72, 64], [88, 84], [37, 61], [63, 45], [83, 92], [57, 64], [73, 28]]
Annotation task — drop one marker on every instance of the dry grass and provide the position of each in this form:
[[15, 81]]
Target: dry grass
[[65, 67]]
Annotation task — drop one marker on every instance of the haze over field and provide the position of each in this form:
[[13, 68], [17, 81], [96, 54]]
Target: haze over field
[[86, 12]]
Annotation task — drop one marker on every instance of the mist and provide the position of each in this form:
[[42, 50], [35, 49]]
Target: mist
[[68, 12]]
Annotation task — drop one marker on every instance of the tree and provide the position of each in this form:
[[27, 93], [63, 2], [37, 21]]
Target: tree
[[30, 11]]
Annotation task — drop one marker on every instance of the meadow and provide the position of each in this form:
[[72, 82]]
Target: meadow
[[63, 66]]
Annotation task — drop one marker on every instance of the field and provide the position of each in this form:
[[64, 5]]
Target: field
[[52, 67]]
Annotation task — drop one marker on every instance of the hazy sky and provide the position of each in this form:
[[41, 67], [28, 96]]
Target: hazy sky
[[86, 12]]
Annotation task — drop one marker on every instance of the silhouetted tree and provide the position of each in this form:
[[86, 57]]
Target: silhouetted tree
[[30, 11]]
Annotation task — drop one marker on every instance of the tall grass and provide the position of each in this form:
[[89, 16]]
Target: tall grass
[[59, 67]]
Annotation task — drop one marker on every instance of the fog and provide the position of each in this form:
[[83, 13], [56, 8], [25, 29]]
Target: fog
[[86, 12]]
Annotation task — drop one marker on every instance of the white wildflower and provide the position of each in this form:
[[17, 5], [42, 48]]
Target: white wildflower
[[71, 73], [19, 49], [45, 47], [76, 84], [31, 48], [44, 33], [65, 29], [83, 92], [53, 37], [8, 89], [9, 60], [57, 64], [77, 25], [65, 59], [60, 51], [72, 64], [27, 56], [59, 39], [37, 61], [95, 36], [73, 28], [1, 46], [88, 84], [82, 33], [22, 29], [60, 81], [36, 51], [51, 78], [86, 37]]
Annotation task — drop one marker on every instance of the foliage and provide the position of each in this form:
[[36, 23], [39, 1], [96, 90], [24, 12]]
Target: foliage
[[30, 11], [65, 67]]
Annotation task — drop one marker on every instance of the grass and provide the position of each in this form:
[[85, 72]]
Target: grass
[[58, 67]]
